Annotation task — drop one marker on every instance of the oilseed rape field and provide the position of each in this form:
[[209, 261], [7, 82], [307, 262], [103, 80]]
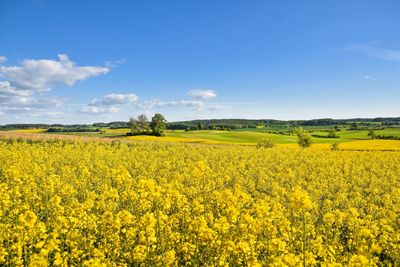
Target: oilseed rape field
[[75, 203]]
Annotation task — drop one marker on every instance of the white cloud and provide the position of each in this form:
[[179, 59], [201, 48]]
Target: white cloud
[[199, 102], [115, 99], [193, 104], [42, 74], [108, 103], [2, 59], [379, 53], [99, 110], [49, 114], [114, 63], [160, 104], [7, 90], [155, 103], [202, 94], [9, 104], [11, 99], [19, 92]]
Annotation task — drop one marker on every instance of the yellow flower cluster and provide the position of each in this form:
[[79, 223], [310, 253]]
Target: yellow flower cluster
[[70, 203]]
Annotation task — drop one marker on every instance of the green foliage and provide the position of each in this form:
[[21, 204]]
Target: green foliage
[[72, 129], [265, 143], [139, 125], [143, 123], [158, 124], [371, 133], [303, 138], [134, 125], [387, 137], [332, 133]]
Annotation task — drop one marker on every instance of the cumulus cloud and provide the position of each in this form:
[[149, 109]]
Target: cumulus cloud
[[7, 90], [42, 74], [115, 99], [199, 102], [19, 92], [27, 103], [99, 110], [32, 107], [2, 59], [202, 94], [11, 99], [109, 103]]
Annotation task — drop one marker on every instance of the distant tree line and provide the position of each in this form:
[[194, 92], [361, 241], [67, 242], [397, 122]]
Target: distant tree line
[[229, 124], [112, 125], [221, 124], [72, 129], [388, 137], [331, 134]]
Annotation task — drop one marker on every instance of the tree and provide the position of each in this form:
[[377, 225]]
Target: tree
[[143, 123], [134, 125], [372, 134], [158, 124], [304, 138], [332, 133]]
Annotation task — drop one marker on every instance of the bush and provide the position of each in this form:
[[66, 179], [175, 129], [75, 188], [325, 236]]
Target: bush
[[371, 133], [335, 146], [265, 143], [332, 134], [145, 133], [304, 138]]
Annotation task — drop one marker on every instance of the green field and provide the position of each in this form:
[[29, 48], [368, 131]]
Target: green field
[[362, 134], [244, 136], [252, 136]]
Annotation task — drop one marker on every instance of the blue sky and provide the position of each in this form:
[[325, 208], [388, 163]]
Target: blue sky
[[92, 61]]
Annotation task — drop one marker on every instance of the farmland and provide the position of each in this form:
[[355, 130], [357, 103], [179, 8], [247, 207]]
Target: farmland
[[348, 139], [69, 202], [199, 133]]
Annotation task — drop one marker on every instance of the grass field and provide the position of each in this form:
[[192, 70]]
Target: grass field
[[349, 139], [250, 136], [240, 137], [362, 134], [358, 140]]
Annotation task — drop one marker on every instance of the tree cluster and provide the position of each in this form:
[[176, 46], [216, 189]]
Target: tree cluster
[[142, 126]]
